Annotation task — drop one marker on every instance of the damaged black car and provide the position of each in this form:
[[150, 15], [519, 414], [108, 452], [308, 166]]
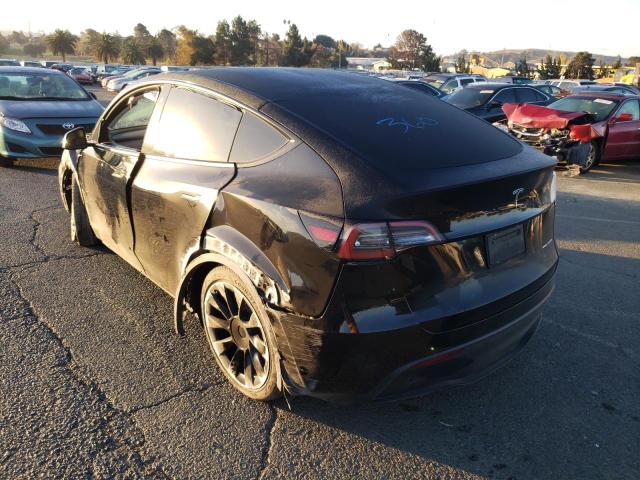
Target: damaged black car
[[335, 234]]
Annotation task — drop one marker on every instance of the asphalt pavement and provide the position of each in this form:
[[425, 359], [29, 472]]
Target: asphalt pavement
[[95, 384]]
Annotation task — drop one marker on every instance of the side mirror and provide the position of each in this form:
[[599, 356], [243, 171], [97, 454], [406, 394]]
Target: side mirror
[[92, 95], [623, 117], [494, 104], [75, 139]]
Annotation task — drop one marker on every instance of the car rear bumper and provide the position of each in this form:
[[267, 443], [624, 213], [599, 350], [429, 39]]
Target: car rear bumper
[[409, 361]]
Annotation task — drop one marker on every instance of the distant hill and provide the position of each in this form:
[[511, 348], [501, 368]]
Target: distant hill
[[534, 55]]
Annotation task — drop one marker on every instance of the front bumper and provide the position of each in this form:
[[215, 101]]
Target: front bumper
[[409, 361], [563, 148], [44, 141]]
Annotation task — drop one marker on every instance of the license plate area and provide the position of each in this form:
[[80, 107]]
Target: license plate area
[[505, 244]]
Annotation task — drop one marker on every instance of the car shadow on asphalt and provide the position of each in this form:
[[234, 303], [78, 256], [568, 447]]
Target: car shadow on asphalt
[[623, 171], [47, 166]]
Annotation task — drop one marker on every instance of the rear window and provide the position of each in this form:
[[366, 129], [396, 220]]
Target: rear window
[[255, 140], [470, 97], [400, 128]]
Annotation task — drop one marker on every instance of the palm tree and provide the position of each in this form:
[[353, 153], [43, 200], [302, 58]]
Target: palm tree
[[62, 42], [106, 47], [154, 49], [132, 53]]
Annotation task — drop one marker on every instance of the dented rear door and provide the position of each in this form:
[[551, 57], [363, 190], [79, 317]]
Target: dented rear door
[[184, 168]]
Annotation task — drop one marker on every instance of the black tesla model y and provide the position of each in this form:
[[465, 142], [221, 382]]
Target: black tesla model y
[[336, 235]]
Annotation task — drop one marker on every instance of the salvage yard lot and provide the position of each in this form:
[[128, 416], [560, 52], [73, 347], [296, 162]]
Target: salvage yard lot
[[95, 382]]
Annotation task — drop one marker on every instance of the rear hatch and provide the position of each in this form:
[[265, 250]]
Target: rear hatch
[[495, 249], [445, 214]]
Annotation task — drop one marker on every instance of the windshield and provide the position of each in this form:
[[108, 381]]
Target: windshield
[[132, 73], [470, 97], [39, 86], [600, 108], [436, 81], [78, 70]]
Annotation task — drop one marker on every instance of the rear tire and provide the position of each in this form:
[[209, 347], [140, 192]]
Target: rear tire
[[81, 231], [239, 334], [6, 162], [593, 158]]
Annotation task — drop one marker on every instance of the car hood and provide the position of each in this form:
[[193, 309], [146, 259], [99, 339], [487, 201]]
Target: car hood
[[542, 117], [22, 109]]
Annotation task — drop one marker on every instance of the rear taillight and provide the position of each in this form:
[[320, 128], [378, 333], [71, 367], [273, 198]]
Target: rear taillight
[[369, 241]]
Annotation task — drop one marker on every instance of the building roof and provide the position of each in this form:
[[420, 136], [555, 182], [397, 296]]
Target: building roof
[[363, 61]]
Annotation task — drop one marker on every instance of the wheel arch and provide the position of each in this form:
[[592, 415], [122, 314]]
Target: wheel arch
[[225, 246], [66, 169], [65, 188]]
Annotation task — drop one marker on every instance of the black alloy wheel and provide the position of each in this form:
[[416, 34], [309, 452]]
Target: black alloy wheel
[[239, 334]]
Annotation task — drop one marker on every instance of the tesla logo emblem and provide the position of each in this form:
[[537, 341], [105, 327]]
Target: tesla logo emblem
[[68, 126], [517, 193]]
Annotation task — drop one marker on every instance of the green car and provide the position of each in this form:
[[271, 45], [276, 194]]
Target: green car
[[37, 107]]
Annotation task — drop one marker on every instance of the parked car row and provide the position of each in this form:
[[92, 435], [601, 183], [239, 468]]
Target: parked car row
[[579, 122], [118, 81]]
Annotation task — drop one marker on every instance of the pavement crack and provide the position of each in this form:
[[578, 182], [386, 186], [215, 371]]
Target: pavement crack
[[265, 460], [50, 258], [36, 227], [79, 375]]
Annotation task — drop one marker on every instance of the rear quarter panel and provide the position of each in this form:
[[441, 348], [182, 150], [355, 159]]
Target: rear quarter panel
[[262, 203]]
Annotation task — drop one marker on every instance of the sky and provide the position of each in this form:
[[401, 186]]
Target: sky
[[486, 25]]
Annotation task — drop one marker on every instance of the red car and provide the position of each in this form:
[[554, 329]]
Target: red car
[[580, 129], [81, 75]]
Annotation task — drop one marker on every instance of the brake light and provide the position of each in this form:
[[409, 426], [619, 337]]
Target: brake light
[[369, 241]]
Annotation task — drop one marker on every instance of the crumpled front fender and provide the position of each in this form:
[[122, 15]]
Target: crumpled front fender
[[66, 168]]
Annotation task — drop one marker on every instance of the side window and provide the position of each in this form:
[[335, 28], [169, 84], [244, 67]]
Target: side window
[[528, 95], [466, 81], [450, 86], [128, 124], [255, 140], [420, 86], [506, 96], [632, 107], [193, 127]]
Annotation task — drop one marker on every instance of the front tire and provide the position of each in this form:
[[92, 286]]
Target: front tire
[[593, 157], [80, 227], [239, 334], [6, 162]]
